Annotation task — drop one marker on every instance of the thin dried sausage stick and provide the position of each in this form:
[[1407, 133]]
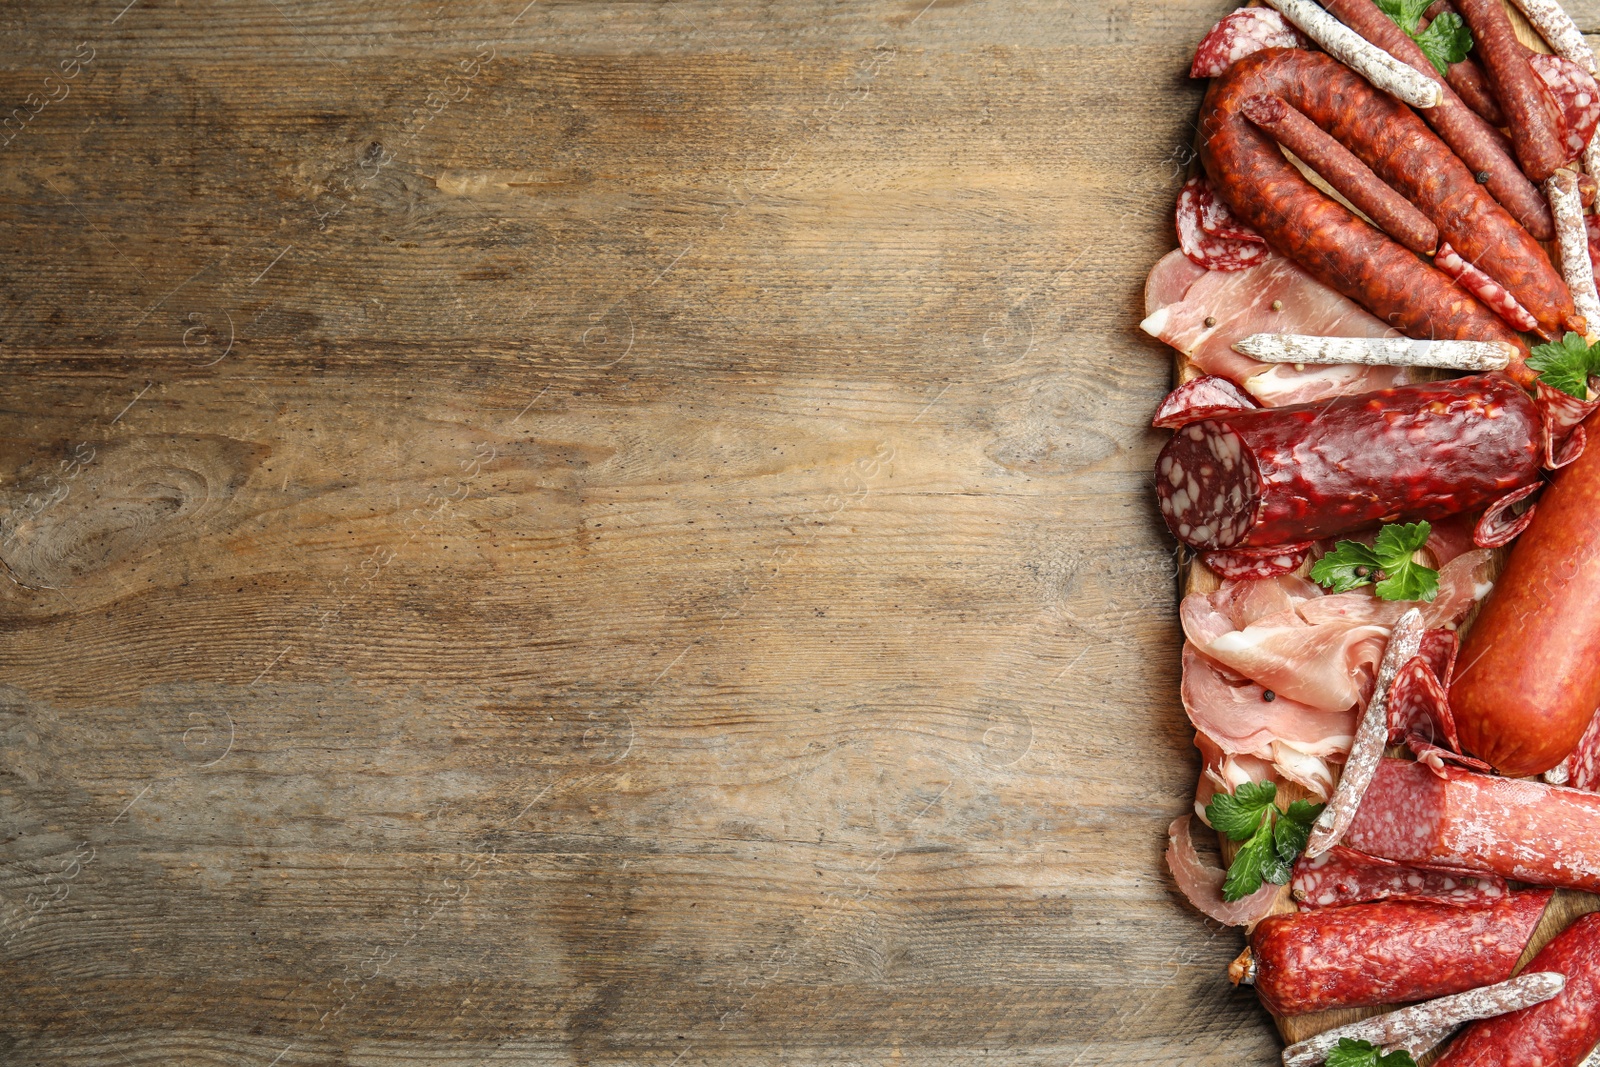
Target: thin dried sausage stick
[[1280, 476], [1377, 351], [1344, 252], [1482, 147], [1380, 68], [1519, 829], [1559, 1032], [1528, 686], [1527, 107], [1558, 31], [1385, 953], [1420, 1027], [1339, 167], [1566, 206], [1366, 752]]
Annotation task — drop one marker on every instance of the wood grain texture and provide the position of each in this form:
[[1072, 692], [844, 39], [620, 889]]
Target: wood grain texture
[[592, 533]]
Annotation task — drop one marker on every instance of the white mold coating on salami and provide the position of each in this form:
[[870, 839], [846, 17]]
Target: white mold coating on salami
[[1572, 234], [1366, 59], [1377, 351], [1559, 31], [1420, 1027]]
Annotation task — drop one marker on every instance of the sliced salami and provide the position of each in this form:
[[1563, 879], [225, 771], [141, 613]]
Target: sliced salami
[[1201, 398], [1438, 650], [1576, 95], [1489, 292], [1216, 218], [1518, 829], [1257, 562], [1259, 479], [1386, 952], [1560, 1031], [1212, 253], [1240, 33], [1419, 706], [1344, 876], [1500, 523], [1563, 416], [1583, 766]]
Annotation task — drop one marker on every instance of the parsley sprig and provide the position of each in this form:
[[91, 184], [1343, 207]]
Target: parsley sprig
[[1350, 1053], [1446, 40], [1566, 364], [1389, 564], [1273, 838]]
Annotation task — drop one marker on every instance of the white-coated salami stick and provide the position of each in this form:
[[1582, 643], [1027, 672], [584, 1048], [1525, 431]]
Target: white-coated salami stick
[[1419, 1028], [1573, 236], [1558, 31], [1366, 752], [1398, 79], [1377, 351]]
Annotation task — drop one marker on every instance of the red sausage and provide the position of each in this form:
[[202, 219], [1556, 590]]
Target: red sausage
[[1528, 679], [1483, 148], [1388, 952], [1535, 129], [1557, 1033], [1524, 830], [1344, 876], [1279, 476], [1267, 193], [1350, 177]]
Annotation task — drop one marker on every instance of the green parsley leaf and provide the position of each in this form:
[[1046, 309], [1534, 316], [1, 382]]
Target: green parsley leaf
[[1406, 579], [1566, 364], [1304, 812], [1392, 556], [1405, 13], [1349, 565], [1446, 40], [1365, 1054], [1289, 840], [1254, 861], [1238, 814]]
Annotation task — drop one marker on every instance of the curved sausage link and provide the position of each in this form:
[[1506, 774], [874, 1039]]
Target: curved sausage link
[[1534, 126], [1268, 193]]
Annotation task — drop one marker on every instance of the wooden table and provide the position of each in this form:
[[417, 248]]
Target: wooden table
[[597, 533]]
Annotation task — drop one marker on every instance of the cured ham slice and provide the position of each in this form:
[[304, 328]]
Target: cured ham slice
[[1234, 714], [1240, 303], [1225, 772], [1319, 650], [1202, 883]]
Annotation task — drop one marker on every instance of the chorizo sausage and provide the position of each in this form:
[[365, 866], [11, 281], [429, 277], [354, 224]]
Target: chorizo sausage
[[1279, 476], [1528, 683], [1519, 829], [1350, 177], [1556, 1033], [1482, 147], [1528, 109], [1386, 952], [1267, 193]]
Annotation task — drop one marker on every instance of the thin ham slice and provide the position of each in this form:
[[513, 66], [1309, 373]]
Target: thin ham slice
[[1240, 303], [1233, 713], [1225, 772], [1320, 650], [1202, 883]]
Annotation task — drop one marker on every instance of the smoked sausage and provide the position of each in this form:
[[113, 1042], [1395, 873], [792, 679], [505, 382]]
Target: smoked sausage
[[1556, 1033], [1387, 952], [1450, 817], [1281, 476], [1530, 115], [1270, 195], [1529, 676]]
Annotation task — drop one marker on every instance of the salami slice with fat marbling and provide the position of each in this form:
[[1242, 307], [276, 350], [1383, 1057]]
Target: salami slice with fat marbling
[[1239, 33], [1204, 249], [1201, 398], [1576, 95], [1344, 876]]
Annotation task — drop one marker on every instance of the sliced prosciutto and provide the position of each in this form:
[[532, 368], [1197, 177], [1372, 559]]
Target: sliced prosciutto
[[1320, 650], [1240, 303], [1235, 714], [1202, 883]]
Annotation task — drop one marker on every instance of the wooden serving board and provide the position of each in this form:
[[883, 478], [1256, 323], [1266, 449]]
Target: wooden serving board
[[1564, 907]]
